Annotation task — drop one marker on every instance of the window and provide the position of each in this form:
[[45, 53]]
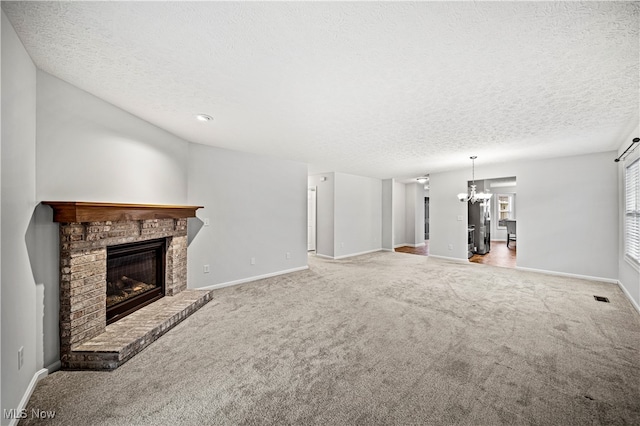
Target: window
[[504, 208], [632, 211]]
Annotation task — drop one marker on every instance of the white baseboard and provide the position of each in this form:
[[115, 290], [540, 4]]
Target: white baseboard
[[453, 259], [356, 254], [626, 293], [566, 274], [351, 254], [254, 278], [386, 249], [40, 374], [324, 256]]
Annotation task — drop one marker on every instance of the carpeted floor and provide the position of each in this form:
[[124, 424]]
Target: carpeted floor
[[384, 338]]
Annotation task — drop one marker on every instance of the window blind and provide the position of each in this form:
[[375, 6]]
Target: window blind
[[632, 211]]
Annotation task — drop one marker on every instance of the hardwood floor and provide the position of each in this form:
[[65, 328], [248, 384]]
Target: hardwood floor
[[423, 251], [500, 255]]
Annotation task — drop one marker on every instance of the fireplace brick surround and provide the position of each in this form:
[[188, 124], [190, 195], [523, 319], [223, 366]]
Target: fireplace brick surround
[[83, 271]]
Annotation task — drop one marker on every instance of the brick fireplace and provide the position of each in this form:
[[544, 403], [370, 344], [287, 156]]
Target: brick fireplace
[[88, 232]]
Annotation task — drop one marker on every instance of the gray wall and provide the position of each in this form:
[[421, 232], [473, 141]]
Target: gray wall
[[559, 229], [414, 214], [256, 206], [358, 214], [18, 179], [89, 150], [325, 212], [349, 214], [399, 214], [387, 214]]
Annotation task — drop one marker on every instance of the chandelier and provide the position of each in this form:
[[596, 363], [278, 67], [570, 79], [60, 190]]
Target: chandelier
[[473, 196]]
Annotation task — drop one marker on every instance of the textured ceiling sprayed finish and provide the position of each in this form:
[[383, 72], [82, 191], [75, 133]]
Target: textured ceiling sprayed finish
[[375, 89]]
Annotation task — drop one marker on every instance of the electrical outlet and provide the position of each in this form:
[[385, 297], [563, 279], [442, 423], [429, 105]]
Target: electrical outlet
[[288, 255], [206, 221], [459, 218], [342, 245], [205, 269], [450, 246], [20, 357], [253, 260]]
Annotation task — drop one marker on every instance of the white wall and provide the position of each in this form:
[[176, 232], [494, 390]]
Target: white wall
[[325, 215], [399, 214], [350, 211], [257, 208], [358, 214], [628, 274], [2, 18], [558, 229], [414, 214], [387, 214], [89, 150], [18, 170]]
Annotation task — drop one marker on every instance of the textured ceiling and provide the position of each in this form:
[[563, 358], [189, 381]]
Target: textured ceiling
[[375, 89]]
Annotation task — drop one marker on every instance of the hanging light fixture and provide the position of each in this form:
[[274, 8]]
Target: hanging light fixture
[[472, 195]]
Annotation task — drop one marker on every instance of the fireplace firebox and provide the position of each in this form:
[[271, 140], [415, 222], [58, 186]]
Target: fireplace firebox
[[135, 276]]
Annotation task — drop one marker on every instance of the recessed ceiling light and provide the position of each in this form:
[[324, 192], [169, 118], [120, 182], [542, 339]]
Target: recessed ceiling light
[[204, 117]]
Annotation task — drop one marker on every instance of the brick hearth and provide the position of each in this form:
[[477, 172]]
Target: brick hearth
[[128, 336]]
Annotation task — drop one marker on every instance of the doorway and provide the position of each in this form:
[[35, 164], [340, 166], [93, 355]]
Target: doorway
[[426, 218], [490, 242], [311, 218]]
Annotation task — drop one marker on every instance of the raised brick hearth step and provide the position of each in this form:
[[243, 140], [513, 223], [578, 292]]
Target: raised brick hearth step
[[130, 335]]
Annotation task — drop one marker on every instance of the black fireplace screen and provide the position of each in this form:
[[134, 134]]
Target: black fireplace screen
[[135, 276]]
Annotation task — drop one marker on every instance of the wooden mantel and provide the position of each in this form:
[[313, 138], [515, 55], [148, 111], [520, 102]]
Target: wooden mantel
[[80, 211]]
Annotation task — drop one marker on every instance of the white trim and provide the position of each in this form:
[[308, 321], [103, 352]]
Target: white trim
[[566, 274], [52, 368], [626, 293], [323, 256], [453, 259], [254, 278], [356, 254], [352, 254], [395, 246], [386, 249], [40, 374], [632, 262]]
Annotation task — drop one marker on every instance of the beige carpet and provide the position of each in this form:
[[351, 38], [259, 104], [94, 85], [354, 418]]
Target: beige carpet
[[385, 338]]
